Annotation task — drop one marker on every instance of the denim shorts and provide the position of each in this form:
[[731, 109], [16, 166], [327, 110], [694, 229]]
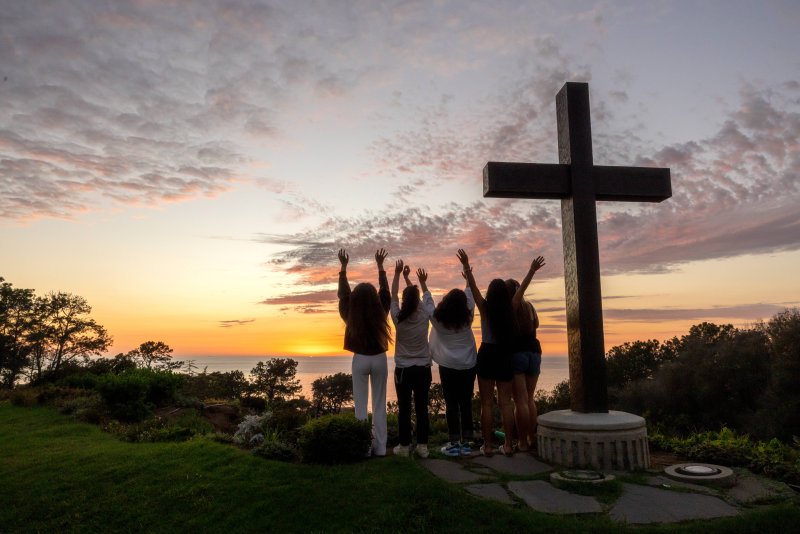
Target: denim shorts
[[527, 362]]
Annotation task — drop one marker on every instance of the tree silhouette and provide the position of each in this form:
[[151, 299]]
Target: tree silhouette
[[275, 380]]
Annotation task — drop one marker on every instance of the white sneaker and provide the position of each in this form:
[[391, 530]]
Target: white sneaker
[[422, 450], [401, 450]]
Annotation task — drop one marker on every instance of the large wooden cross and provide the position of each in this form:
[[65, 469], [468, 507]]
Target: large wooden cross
[[579, 184]]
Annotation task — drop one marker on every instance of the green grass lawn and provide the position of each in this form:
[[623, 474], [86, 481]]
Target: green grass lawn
[[58, 475]]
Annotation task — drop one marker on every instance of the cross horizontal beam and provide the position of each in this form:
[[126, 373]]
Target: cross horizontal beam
[[552, 180]]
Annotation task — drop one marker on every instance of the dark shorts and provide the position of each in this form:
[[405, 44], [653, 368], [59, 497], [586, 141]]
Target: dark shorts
[[529, 363], [494, 363]]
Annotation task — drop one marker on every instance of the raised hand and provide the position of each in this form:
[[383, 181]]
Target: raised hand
[[422, 275], [537, 264], [406, 271], [343, 258], [463, 258], [380, 255], [398, 267]]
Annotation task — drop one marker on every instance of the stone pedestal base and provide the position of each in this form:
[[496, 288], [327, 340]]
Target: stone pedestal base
[[604, 441]]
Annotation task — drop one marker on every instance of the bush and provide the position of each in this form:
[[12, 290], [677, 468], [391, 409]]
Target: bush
[[131, 395], [158, 429], [275, 448], [23, 397], [87, 408], [557, 399], [727, 447], [333, 439], [249, 429]]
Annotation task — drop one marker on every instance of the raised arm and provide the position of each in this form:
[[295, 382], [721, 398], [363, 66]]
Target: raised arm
[[406, 272], [476, 293], [398, 268], [344, 288], [383, 283], [427, 299], [536, 264]]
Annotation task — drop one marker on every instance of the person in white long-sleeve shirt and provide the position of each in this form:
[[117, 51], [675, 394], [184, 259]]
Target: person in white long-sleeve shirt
[[453, 349], [412, 357]]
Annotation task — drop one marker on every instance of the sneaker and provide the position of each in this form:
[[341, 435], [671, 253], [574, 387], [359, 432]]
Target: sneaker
[[465, 450], [422, 450], [401, 450], [453, 448]]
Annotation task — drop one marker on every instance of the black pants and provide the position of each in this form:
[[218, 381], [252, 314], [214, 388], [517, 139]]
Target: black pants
[[414, 380], [458, 385]]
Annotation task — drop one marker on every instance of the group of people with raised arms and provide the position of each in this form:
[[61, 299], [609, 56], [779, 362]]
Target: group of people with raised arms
[[508, 360]]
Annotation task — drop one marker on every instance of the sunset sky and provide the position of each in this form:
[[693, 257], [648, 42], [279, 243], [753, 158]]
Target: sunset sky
[[191, 168]]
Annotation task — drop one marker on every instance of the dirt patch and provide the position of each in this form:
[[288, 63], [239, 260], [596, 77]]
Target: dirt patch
[[662, 459], [223, 417]]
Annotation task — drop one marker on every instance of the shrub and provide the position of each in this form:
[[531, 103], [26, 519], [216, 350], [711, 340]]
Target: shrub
[[131, 395], [333, 439], [23, 397], [158, 429], [87, 408], [273, 447], [557, 399], [727, 447], [249, 428]]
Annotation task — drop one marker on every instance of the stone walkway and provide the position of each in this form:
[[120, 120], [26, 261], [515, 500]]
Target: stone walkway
[[658, 500]]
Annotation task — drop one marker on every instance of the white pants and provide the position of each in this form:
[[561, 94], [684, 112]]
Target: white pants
[[372, 369]]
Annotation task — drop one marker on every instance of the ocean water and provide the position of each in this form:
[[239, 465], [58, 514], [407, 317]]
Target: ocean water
[[309, 368]]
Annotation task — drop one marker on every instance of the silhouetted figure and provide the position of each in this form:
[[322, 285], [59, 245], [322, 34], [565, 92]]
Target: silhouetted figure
[[526, 358], [366, 334], [453, 348], [494, 356], [412, 357]]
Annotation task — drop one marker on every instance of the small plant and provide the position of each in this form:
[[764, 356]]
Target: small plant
[[273, 447], [249, 428], [334, 439]]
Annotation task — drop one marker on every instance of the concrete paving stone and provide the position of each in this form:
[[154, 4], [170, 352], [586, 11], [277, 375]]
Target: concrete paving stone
[[643, 504], [543, 497], [450, 471], [494, 492], [520, 464], [660, 481], [749, 489], [483, 471]]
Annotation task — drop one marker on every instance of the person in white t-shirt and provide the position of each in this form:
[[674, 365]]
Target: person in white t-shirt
[[412, 358], [453, 349]]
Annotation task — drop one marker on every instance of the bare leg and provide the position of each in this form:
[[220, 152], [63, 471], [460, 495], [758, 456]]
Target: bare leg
[[530, 382], [504, 390], [521, 410], [486, 390]]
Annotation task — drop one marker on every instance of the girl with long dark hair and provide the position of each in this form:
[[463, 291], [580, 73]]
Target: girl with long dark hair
[[494, 357], [366, 334], [453, 349], [526, 357], [412, 357]]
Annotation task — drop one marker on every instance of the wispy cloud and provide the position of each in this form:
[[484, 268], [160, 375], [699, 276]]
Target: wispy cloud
[[235, 322]]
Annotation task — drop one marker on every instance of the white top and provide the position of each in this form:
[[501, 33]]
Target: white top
[[411, 335], [454, 349]]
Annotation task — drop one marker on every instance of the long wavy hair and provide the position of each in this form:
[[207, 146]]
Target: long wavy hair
[[523, 318], [499, 313], [366, 318], [452, 312], [410, 303]]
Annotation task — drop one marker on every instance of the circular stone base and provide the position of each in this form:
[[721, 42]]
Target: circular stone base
[[580, 477], [699, 473], [604, 441]]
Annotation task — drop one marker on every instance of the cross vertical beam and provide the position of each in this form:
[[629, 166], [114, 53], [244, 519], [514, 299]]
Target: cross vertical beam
[[587, 363]]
